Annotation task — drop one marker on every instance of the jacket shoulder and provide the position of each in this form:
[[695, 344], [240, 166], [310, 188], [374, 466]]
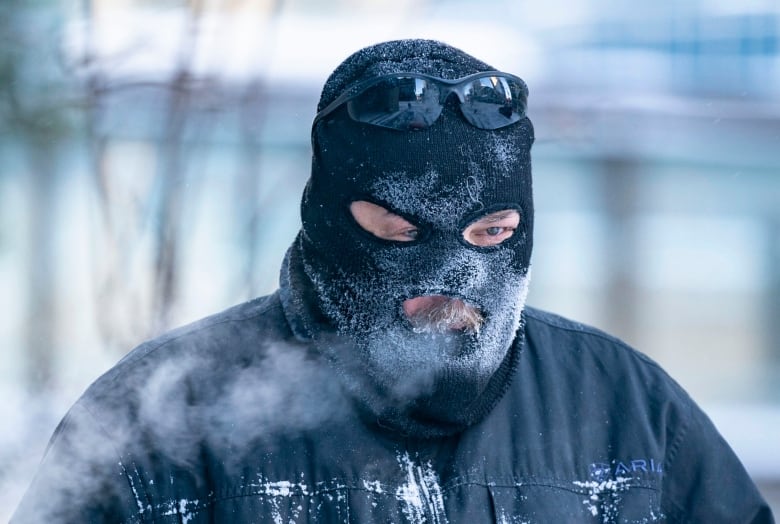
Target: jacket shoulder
[[569, 335], [580, 354], [257, 318], [537, 319], [582, 370], [202, 349]]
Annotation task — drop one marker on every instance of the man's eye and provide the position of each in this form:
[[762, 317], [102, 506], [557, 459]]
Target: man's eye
[[492, 229], [383, 223], [495, 233]]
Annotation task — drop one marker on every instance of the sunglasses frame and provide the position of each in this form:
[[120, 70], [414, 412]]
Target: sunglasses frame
[[449, 86]]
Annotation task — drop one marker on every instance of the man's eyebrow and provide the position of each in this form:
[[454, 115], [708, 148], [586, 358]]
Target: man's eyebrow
[[495, 217]]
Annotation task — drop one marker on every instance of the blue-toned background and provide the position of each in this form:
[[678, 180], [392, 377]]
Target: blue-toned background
[[152, 155]]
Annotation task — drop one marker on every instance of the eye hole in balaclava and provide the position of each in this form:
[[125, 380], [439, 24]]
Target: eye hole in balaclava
[[487, 230], [383, 223], [492, 228]]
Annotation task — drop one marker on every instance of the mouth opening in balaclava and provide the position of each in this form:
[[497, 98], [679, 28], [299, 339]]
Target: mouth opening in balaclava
[[425, 332], [440, 314]]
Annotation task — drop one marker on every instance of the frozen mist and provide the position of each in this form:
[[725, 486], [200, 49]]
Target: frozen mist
[[173, 406]]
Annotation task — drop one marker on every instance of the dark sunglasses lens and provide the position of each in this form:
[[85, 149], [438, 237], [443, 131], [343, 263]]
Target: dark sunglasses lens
[[399, 103], [492, 102]]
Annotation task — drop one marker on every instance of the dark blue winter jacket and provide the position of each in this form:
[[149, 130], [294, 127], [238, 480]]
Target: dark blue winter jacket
[[234, 419]]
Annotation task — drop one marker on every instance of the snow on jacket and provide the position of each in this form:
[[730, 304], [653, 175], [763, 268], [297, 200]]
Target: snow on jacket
[[234, 419]]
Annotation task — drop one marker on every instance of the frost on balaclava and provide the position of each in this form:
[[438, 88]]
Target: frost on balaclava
[[352, 284]]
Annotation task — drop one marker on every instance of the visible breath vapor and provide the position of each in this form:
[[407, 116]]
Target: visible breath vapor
[[282, 393], [166, 410]]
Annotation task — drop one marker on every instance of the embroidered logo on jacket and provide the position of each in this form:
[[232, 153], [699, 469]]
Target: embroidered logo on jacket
[[624, 468]]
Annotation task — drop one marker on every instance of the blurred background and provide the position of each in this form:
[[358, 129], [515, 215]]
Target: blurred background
[[153, 152]]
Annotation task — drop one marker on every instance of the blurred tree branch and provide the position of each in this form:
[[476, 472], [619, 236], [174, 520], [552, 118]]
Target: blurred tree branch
[[34, 119], [51, 103]]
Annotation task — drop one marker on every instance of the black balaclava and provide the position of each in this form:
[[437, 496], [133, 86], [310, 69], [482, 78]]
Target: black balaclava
[[345, 287]]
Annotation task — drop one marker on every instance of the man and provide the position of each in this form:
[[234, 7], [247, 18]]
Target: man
[[396, 376]]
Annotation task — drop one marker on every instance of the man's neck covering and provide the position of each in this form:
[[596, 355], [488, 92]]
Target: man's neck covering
[[344, 287]]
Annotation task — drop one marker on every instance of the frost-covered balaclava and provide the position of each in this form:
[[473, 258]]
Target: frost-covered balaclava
[[440, 179]]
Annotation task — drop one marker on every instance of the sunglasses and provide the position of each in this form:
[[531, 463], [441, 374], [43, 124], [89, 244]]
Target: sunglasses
[[409, 101]]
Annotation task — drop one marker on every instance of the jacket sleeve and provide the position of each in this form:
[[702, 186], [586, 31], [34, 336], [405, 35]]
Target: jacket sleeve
[[80, 479], [704, 480]]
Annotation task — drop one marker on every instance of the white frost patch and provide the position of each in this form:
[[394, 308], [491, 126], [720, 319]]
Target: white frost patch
[[278, 490], [373, 486], [601, 495], [135, 491], [421, 494], [427, 197], [186, 509], [503, 149], [185, 515], [283, 488], [503, 518]]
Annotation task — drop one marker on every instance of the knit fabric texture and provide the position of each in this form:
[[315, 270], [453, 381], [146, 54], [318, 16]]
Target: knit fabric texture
[[441, 179]]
